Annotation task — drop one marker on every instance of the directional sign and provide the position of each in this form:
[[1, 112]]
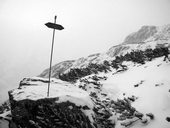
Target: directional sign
[[54, 26]]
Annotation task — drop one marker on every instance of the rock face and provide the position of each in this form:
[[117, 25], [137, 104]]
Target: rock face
[[46, 113]]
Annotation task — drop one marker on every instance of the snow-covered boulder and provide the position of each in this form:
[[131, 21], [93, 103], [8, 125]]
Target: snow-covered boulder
[[66, 107]]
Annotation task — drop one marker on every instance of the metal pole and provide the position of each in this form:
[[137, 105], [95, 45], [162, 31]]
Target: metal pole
[[51, 57]]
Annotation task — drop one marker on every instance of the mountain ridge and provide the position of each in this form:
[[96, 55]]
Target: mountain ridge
[[145, 37]]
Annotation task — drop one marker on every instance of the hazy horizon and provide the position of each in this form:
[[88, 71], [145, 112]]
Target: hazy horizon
[[90, 27]]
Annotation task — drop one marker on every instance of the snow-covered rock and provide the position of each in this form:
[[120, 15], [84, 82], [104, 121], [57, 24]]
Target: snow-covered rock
[[67, 105]]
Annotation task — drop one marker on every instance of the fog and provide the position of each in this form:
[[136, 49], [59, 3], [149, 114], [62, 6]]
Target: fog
[[91, 26]]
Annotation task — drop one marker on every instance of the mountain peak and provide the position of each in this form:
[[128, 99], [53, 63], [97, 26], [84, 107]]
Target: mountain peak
[[141, 35]]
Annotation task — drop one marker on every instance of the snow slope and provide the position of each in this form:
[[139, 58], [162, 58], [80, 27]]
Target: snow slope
[[146, 37], [147, 84], [153, 91]]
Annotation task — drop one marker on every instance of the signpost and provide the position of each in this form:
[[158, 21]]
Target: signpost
[[53, 26]]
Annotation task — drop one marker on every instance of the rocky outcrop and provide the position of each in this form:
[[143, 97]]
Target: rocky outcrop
[[46, 113], [66, 107]]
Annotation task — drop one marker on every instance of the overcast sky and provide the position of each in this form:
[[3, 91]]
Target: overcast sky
[[91, 26]]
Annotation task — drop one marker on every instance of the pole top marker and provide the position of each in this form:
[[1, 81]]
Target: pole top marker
[[54, 26]]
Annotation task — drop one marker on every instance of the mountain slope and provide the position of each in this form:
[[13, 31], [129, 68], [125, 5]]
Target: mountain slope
[[140, 36], [57, 69], [150, 83], [136, 97], [146, 37]]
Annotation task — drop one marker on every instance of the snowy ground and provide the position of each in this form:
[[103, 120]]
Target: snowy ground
[[153, 89], [150, 83]]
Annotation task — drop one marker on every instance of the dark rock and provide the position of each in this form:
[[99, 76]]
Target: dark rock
[[136, 85], [168, 119], [150, 115], [156, 85], [103, 94], [144, 121], [86, 107], [46, 113], [139, 115], [131, 98]]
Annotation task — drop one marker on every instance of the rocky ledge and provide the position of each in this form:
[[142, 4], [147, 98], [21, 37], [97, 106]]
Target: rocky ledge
[[66, 107]]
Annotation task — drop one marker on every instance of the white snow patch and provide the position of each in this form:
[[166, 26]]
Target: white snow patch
[[153, 92]]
